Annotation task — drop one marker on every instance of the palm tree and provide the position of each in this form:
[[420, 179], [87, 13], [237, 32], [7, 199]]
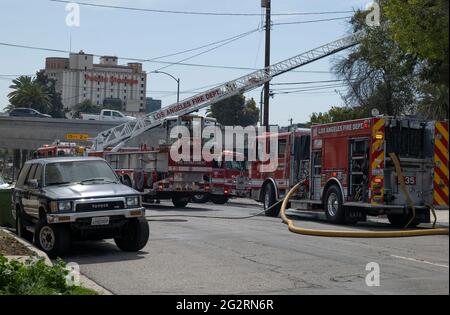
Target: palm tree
[[29, 93]]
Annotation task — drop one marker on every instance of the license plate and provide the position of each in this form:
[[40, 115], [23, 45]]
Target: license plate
[[100, 221]]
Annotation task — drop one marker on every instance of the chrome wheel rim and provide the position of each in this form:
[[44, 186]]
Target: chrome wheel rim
[[47, 238], [332, 204]]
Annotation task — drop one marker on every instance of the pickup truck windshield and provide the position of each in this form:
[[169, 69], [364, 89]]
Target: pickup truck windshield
[[61, 173]]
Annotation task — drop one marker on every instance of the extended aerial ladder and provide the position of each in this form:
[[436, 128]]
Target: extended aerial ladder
[[116, 137]]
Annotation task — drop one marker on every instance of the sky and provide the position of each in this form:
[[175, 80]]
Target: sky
[[147, 35]]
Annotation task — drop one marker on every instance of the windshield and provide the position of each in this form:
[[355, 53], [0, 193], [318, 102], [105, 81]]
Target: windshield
[[79, 172]]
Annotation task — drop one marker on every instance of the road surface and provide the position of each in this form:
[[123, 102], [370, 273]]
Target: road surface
[[260, 256]]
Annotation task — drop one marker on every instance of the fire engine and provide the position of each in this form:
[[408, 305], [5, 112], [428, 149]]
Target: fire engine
[[153, 171], [376, 166], [229, 179], [58, 148]]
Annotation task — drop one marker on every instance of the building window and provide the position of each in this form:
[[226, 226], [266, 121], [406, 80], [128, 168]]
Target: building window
[[142, 85], [124, 91], [142, 98]]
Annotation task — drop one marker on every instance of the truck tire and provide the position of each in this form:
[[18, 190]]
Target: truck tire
[[134, 235], [200, 199], [401, 220], [21, 231], [180, 202], [219, 200], [52, 239], [269, 202], [333, 205]]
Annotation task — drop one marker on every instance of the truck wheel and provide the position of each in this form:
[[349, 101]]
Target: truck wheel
[[333, 205], [270, 201], [200, 199], [54, 240], [180, 202], [21, 231], [401, 220], [219, 200], [134, 235]]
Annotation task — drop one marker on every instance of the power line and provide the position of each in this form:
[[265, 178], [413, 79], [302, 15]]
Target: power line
[[307, 82], [209, 50], [197, 12], [148, 60], [204, 46], [313, 21]]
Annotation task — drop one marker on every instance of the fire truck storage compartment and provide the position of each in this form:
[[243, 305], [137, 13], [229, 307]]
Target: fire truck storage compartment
[[359, 169]]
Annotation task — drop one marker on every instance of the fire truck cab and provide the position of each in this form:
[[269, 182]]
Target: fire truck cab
[[293, 161]]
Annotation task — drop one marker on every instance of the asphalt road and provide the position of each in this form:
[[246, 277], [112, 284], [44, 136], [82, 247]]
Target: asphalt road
[[260, 256]]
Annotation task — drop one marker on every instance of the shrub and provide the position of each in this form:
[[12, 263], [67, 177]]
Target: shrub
[[34, 277]]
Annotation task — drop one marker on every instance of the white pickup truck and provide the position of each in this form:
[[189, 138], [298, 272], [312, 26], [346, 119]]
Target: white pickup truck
[[108, 115]]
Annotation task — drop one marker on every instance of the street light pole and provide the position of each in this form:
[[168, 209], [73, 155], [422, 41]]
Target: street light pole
[[176, 79]]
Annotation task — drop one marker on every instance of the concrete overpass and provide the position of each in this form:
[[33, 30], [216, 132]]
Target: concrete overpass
[[31, 133]]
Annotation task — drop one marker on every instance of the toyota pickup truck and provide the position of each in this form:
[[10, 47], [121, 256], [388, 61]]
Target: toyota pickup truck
[[108, 115], [57, 200]]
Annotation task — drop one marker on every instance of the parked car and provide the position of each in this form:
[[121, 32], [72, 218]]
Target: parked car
[[27, 112], [57, 200], [108, 115]]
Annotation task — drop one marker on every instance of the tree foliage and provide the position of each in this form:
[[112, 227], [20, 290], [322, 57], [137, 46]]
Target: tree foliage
[[86, 107], [336, 114], [29, 93], [235, 111], [56, 106], [400, 67]]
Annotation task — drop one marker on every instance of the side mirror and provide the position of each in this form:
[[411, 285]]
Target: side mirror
[[33, 183]]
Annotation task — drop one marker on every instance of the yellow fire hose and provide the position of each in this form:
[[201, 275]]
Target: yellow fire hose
[[363, 234]]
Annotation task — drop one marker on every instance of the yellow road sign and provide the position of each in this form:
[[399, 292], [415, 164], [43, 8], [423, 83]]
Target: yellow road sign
[[77, 137]]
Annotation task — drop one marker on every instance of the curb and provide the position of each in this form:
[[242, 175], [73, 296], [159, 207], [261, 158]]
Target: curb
[[30, 247], [84, 281]]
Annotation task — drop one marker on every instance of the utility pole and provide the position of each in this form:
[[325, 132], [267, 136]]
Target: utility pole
[[268, 5]]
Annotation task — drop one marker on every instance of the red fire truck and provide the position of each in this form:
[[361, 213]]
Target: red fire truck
[[153, 172], [351, 170], [59, 149], [229, 179]]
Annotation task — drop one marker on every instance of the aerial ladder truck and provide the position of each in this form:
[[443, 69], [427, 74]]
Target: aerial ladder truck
[[151, 170]]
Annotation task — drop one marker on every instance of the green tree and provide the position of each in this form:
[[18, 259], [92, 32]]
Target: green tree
[[56, 107], [336, 114], [235, 111], [86, 107], [421, 28], [378, 72], [29, 93]]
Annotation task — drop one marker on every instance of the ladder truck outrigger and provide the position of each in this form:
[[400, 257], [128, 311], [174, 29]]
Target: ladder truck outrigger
[[110, 143]]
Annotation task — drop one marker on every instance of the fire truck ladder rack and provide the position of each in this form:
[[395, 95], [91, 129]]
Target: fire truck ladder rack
[[119, 135]]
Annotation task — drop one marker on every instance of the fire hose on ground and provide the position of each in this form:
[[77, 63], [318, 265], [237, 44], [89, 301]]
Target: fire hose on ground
[[365, 234]]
